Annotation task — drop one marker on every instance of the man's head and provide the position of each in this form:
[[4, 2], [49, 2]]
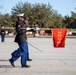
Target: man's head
[[20, 16]]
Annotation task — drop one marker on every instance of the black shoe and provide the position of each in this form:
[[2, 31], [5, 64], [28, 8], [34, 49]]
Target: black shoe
[[25, 66], [11, 62], [29, 59]]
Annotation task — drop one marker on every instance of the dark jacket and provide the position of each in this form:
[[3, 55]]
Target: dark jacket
[[20, 38], [2, 32]]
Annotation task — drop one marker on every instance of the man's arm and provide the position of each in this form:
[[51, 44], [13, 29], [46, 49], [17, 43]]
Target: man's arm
[[18, 28]]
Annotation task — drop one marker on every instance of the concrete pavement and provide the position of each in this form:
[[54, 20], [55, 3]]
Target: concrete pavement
[[52, 61]]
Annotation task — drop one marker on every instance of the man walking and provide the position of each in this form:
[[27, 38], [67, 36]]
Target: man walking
[[20, 39], [2, 34], [24, 30]]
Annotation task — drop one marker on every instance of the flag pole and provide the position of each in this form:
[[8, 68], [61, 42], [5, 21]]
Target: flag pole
[[34, 47]]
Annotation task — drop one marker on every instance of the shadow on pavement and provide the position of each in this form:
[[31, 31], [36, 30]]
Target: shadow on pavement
[[6, 66]]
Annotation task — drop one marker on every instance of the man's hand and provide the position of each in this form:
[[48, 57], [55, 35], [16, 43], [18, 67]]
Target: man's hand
[[19, 26]]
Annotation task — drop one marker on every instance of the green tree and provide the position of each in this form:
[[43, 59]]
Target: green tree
[[70, 22], [38, 14]]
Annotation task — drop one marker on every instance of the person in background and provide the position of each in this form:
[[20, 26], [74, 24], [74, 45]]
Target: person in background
[[20, 39], [2, 34], [25, 21]]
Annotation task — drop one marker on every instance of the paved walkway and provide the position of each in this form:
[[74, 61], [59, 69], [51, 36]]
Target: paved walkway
[[52, 61]]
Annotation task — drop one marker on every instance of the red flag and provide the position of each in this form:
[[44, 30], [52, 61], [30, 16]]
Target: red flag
[[59, 37]]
